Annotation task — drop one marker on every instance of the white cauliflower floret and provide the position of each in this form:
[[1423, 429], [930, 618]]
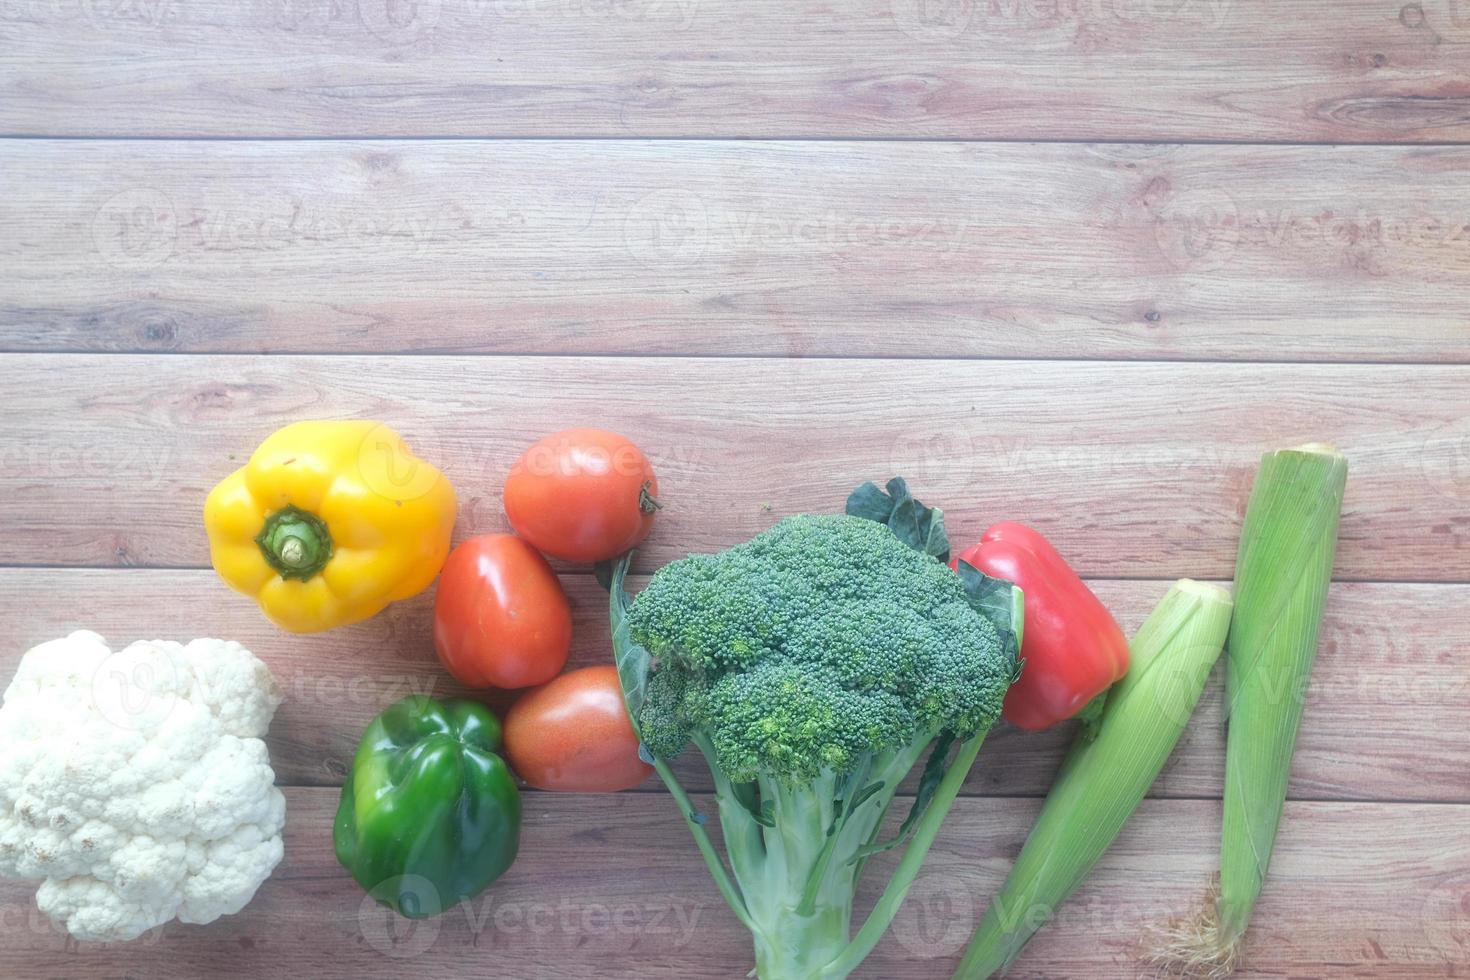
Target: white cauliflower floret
[[136, 784]]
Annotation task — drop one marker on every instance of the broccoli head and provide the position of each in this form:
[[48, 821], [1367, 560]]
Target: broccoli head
[[817, 644], [813, 666]]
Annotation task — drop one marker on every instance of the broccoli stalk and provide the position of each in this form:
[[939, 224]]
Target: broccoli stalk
[[813, 667], [802, 911]]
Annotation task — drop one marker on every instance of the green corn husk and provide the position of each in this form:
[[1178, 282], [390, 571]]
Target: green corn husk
[[1281, 579], [1102, 780]]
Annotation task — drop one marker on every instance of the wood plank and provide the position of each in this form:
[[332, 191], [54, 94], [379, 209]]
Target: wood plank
[[1257, 253], [612, 886], [1384, 719], [993, 69], [1137, 470]]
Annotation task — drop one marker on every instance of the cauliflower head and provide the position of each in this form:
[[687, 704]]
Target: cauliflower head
[[135, 784]]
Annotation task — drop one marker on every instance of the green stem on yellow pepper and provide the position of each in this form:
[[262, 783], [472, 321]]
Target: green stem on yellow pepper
[[296, 543]]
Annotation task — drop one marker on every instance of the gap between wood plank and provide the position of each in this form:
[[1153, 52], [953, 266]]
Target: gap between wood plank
[[756, 356], [449, 138]]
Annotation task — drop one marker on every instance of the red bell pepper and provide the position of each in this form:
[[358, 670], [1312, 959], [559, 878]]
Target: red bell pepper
[[1073, 647]]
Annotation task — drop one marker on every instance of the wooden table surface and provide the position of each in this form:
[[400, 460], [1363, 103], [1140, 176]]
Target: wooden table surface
[[1073, 262]]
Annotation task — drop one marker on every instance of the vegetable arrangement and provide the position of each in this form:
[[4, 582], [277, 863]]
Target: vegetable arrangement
[[813, 668], [430, 813]]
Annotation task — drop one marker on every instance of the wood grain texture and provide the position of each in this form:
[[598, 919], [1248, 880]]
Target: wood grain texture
[[991, 69], [1384, 720], [1136, 470], [612, 886], [856, 249]]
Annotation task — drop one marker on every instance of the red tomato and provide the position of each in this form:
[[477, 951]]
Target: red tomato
[[500, 616], [573, 735], [582, 495]]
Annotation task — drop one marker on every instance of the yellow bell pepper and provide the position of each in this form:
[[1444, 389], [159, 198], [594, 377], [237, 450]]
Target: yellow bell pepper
[[328, 523]]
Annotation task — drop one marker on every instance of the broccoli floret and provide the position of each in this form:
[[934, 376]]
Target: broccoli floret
[[663, 721], [817, 642], [796, 720], [813, 666]]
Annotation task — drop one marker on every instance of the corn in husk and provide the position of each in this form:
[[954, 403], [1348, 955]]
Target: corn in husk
[[1102, 780], [1281, 579]]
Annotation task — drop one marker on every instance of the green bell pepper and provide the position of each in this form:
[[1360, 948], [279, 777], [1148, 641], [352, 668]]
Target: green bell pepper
[[430, 813]]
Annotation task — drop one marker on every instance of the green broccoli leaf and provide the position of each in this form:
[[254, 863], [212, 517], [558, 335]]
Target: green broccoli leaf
[[934, 770], [994, 598], [632, 659], [862, 796], [919, 527], [602, 572], [1001, 602], [870, 502]]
